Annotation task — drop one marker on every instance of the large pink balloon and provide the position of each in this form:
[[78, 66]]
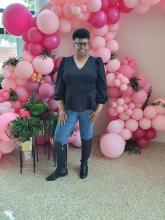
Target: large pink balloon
[[7, 147], [115, 126], [46, 90], [47, 21], [113, 15], [16, 19], [43, 65], [104, 53], [51, 42], [158, 123], [5, 119], [98, 19], [34, 35], [24, 70], [112, 145]]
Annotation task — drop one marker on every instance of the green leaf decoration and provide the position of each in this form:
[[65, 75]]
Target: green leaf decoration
[[134, 84]]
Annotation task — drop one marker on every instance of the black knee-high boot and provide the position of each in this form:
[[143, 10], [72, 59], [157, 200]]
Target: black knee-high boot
[[61, 169], [85, 154]]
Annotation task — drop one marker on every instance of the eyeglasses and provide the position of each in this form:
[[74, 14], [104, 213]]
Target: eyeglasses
[[82, 44]]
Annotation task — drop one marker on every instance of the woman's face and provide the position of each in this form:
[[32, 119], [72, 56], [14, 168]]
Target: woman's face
[[81, 46]]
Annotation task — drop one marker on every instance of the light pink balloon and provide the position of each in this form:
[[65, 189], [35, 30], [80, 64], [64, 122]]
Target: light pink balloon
[[43, 65], [112, 145], [109, 36], [127, 71], [67, 12], [94, 5], [139, 97], [120, 109], [142, 8], [9, 84], [160, 109], [101, 31], [145, 123], [32, 86], [77, 140], [26, 56], [120, 101], [115, 126], [24, 70], [98, 42], [126, 134], [65, 26], [137, 114], [150, 112], [57, 10], [114, 27], [128, 92], [47, 21], [131, 125], [113, 45], [22, 93], [158, 123], [5, 119], [112, 112], [113, 65], [131, 3], [46, 90], [21, 82], [104, 53], [7, 147]]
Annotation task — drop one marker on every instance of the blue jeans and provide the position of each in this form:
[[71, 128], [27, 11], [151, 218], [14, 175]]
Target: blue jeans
[[63, 132]]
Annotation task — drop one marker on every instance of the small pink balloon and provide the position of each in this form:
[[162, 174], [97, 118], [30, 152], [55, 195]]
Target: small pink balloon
[[145, 123], [123, 116], [46, 90], [114, 92], [51, 42], [104, 53], [113, 65], [115, 126], [139, 133], [22, 94], [150, 112], [112, 112], [137, 114], [126, 134], [32, 86], [113, 45], [131, 125], [128, 92], [98, 42], [34, 35], [26, 56], [112, 145], [65, 26], [120, 101], [101, 31], [120, 109], [127, 71]]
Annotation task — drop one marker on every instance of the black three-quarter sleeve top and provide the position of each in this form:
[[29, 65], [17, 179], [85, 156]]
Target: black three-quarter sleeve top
[[81, 89]]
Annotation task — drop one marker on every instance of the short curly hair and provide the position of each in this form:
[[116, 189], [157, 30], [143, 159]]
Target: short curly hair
[[81, 33]]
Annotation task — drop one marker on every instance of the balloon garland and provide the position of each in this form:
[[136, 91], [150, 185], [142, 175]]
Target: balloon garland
[[131, 118]]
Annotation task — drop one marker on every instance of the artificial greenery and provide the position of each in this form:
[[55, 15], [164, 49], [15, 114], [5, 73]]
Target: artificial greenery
[[1, 79], [22, 129], [132, 147], [134, 84], [13, 95], [148, 98], [11, 61]]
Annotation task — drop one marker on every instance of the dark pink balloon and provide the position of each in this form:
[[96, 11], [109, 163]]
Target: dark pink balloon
[[113, 3], [25, 37], [57, 63], [51, 42], [25, 46], [139, 133], [98, 19], [142, 143], [16, 19], [113, 15], [105, 4], [150, 134], [114, 92], [123, 8], [33, 22], [35, 49], [34, 35]]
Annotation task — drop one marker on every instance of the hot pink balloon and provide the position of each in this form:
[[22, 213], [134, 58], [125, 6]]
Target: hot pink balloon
[[51, 42], [98, 19], [105, 4], [35, 49], [113, 3], [127, 71], [113, 15], [16, 19], [34, 35], [112, 145]]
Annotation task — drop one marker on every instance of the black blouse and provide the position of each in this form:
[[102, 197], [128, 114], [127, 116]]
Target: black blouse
[[81, 89]]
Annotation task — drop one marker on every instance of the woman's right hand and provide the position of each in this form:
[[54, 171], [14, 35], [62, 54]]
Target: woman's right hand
[[62, 117]]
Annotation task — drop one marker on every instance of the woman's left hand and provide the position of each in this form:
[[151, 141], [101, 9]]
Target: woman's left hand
[[94, 116]]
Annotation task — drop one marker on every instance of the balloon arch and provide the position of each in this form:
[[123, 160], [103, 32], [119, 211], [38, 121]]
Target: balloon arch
[[131, 118]]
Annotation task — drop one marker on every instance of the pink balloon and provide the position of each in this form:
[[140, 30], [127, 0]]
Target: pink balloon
[[104, 53], [24, 70], [129, 92], [123, 116], [126, 134], [141, 81], [51, 42], [112, 145], [158, 123], [142, 143], [139, 97], [22, 94], [101, 31], [26, 56], [67, 10], [113, 65], [98, 42], [16, 19], [57, 63], [112, 112], [77, 140], [35, 49], [131, 3], [131, 125], [46, 90], [114, 92], [43, 65], [123, 8], [145, 123], [113, 15], [32, 86], [0, 155], [137, 114], [113, 45], [150, 112], [16, 105], [139, 133], [65, 26], [5, 119], [98, 19], [113, 3], [115, 126], [25, 37], [93, 5], [47, 21], [9, 84], [150, 133], [142, 8], [34, 35], [127, 71], [105, 4], [7, 147]]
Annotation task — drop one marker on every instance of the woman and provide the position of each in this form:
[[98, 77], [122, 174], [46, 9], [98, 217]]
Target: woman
[[80, 92]]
